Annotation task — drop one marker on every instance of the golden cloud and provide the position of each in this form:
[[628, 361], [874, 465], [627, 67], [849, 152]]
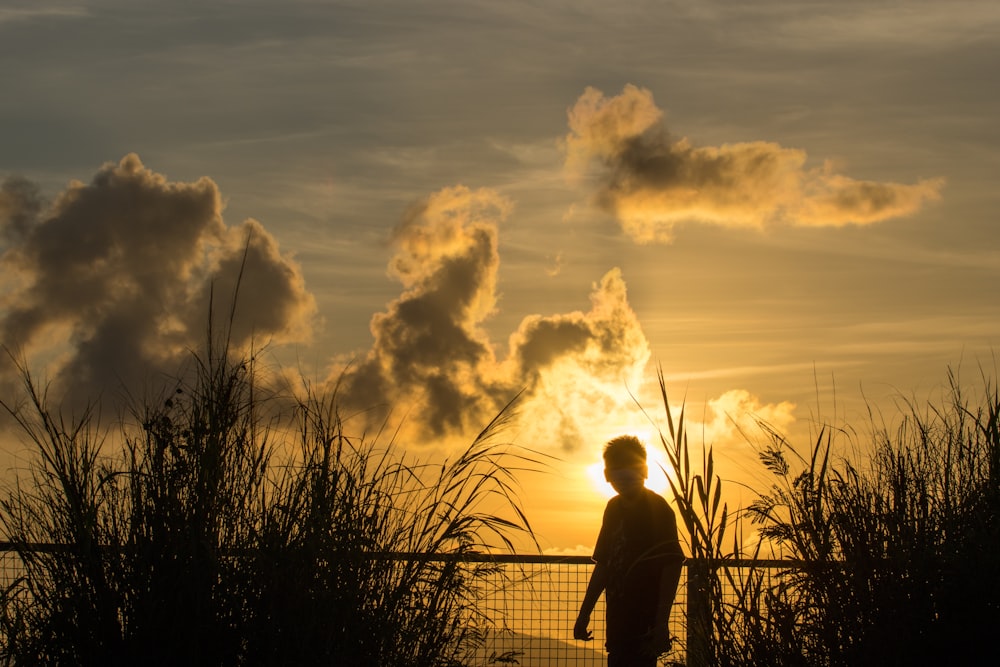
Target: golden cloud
[[651, 182], [432, 358]]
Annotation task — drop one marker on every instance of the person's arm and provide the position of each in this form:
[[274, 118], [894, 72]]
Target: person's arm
[[670, 577], [598, 582], [657, 642]]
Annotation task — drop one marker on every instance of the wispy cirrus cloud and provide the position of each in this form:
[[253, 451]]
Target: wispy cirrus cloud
[[17, 14], [651, 181]]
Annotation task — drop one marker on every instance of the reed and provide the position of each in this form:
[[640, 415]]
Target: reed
[[214, 535], [891, 547]]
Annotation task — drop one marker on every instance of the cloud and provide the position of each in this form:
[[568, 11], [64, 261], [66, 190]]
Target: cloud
[[582, 368], [735, 416], [20, 204], [432, 357], [114, 278], [9, 15], [651, 182], [429, 352], [110, 284]]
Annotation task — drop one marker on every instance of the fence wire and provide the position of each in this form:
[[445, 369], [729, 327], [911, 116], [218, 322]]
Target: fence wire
[[531, 603], [534, 600]]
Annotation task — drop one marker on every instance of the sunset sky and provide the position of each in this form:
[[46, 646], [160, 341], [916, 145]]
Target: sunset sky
[[790, 207]]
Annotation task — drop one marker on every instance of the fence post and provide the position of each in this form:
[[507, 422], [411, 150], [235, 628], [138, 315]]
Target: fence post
[[699, 614]]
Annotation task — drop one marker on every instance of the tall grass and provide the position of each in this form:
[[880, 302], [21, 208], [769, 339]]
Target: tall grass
[[705, 518], [893, 549], [206, 532], [203, 534]]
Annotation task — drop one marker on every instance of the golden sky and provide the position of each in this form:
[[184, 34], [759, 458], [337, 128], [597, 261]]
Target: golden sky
[[790, 207]]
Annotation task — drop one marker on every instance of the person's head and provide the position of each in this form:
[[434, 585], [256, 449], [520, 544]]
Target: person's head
[[625, 464]]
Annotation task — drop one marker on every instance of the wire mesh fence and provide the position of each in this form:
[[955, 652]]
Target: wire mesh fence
[[533, 601], [530, 603]]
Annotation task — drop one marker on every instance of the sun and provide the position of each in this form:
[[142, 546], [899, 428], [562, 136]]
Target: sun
[[595, 473], [657, 480]]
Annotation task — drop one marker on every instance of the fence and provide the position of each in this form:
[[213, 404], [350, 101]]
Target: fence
[[533, 600]]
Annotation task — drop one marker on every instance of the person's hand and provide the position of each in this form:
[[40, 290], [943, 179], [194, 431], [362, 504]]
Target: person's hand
[[580, 630]]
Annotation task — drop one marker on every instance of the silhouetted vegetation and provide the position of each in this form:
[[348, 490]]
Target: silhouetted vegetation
[[894, 547], [202, 534]]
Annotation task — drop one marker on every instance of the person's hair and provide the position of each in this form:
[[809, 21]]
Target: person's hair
[[624, 451]]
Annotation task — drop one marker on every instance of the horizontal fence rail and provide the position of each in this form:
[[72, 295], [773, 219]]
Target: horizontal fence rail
[[532, 602]]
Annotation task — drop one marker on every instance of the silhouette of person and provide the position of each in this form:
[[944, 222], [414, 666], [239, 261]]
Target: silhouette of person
[[637, 562]]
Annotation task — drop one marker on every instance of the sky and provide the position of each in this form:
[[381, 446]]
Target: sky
[[788, 207]]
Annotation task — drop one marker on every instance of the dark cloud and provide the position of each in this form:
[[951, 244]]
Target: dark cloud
[[20, 204], [114, 280], [272, 303], [604, 340], [429, 352], [432, 358], [114, 277], [651, 181]]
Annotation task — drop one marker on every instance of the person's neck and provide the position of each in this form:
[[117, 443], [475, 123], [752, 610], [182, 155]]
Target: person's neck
[[633, 494]]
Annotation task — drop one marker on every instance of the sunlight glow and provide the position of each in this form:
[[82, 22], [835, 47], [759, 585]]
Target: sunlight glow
[[657, 480]]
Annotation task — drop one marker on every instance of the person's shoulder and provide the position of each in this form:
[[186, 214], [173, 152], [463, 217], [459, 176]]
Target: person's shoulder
[[659, 504], [655, 498]]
